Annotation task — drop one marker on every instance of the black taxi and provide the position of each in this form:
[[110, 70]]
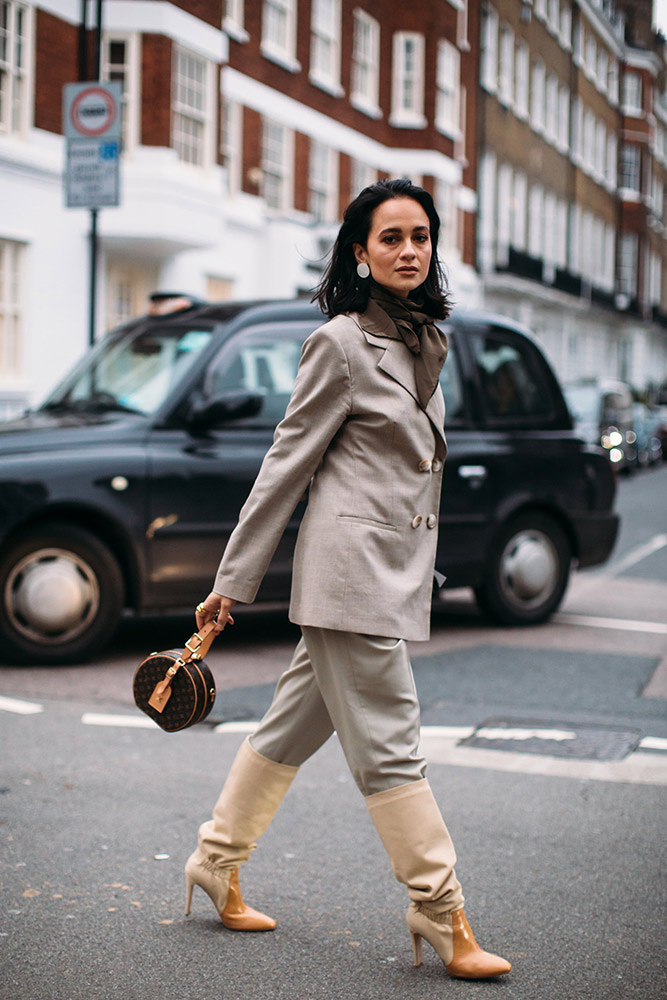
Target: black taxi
[[119, 492]]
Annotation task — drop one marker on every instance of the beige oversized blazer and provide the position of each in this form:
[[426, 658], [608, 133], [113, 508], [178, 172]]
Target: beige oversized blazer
[[373, 458]]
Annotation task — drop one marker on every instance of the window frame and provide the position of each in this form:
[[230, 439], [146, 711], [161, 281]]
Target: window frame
[[448, 90], [365, 98], [403, 116], [285, 174], [324, 187], [326, 79], [282, 54], [12, 305], [204, 117], [16, 103], [131, 83]]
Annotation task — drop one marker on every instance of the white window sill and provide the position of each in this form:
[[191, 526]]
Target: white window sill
[[235, 31], [629, 194], [361, 104], [401, 119], [631, 112], [332, 87], [283, 59], [451, 131], [489, 86]]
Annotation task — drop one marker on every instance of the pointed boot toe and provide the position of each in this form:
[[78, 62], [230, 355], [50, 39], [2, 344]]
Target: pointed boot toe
[[239, 917], [450, 936], [469, 960]]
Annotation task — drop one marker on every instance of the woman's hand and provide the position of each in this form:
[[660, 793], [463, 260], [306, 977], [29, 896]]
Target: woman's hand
[[214, 605]]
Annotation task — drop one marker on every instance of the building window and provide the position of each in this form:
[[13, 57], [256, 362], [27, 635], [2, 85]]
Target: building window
[[489, 54], [277, 160], [233, 19], [230, 143], [323, 182], [554, 15], [192, 100], [632, 93], [630, 168], [448, 97], [611, 166], [627, 265], [518, 211], [591, 62], [612, 81], [120, 64], [14, 63], [506, 75], [600, 149], [536, 221], [445, 201], [564, 119], [325, 44], [11, 260], [566, 26], [577, 44], [577, 129], [522, 70], [127, 289], [551, 124], [537, 97], [361, 176], [279, 33], [503, 222], [589, 141], [603, 70], [408, 80], [366, 63]]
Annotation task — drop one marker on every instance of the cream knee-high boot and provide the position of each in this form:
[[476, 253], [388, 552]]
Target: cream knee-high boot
[[249, 800], [414, 835]]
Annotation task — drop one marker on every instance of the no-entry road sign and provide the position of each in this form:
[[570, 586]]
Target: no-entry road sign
[[92, 127]]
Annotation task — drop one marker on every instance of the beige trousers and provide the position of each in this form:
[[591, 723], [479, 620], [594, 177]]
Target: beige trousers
[[362, 687]]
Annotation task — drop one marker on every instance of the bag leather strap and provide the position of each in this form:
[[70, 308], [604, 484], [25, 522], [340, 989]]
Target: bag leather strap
[[196, 648]]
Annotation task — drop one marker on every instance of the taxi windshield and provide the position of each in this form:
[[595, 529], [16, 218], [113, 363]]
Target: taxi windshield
[[131, 372]]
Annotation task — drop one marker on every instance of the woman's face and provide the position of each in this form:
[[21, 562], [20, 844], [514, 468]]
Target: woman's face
[[398, 250]]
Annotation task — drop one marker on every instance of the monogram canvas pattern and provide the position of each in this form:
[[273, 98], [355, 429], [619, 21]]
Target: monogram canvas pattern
[[192, 690]]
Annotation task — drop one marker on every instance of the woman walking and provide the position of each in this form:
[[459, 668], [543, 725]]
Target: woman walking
[[364, 433]]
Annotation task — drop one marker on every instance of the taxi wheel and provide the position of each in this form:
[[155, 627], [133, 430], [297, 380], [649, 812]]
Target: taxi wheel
[[527, 571], [61, 595]]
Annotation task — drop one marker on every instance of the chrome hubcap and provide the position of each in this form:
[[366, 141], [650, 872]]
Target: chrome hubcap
[[52, 596], [529, 568]]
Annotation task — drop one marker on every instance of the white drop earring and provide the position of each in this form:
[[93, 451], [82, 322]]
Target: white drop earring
[[363, 270]]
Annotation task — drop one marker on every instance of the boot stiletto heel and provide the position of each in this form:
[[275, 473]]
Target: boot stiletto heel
[[417, 948]]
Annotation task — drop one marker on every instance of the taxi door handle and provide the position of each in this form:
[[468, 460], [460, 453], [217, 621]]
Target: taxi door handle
[[472, 472]]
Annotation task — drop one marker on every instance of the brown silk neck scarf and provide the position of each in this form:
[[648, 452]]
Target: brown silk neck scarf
[[420, 335]]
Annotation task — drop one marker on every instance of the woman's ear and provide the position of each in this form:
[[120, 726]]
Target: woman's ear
[[359, 253]]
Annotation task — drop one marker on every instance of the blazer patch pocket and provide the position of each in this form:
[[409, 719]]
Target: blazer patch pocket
[[368, 521]]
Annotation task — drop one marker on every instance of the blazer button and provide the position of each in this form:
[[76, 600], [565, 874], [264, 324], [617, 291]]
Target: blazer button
[[431, 521], [416, 520], [436, 465], [425, 465]]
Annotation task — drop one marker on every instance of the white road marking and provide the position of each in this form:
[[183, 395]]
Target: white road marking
[[620, 624], [131, 721], [636, 555], [20, 707], [489, 733], [638, 769], [236, 727], [653, 743]]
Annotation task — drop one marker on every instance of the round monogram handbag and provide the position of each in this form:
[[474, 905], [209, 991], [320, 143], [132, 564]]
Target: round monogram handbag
[[177, 690]]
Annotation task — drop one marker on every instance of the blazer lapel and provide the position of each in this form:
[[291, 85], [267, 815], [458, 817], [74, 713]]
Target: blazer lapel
[[396, 361]]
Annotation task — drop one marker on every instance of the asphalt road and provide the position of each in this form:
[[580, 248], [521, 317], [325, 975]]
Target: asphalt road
[[548, 754]]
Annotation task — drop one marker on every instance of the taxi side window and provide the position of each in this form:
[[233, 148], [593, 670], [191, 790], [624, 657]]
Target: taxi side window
[[262, 361], [452, 390], [512, 390]]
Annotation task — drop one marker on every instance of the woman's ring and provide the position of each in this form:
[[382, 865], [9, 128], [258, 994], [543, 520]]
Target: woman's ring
[[201, 608]]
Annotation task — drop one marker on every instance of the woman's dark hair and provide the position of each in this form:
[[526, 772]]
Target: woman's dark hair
[[341, 290]]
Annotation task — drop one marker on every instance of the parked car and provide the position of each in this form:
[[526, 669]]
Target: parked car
[[648, 447], [120, 491], [602, 409]]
